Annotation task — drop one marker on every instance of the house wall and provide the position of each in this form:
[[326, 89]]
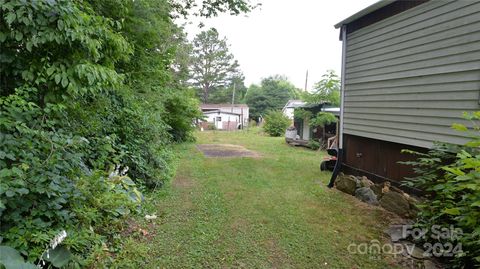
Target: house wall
[[306, 130], [288, 112], [378, 159], [225, 119], [238, 110], [410, 76]]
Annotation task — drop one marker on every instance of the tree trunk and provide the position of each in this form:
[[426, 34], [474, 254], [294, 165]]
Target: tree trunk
[[205, 94]]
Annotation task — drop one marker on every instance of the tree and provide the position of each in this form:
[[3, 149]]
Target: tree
[[272, 94], [327, 90], [86, 85], [212, 65], [224, 95]]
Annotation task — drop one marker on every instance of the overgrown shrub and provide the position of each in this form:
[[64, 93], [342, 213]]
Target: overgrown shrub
[[321, 119], [313, 144], [276, 123], [68, 114], [84, 86], [450, 175]]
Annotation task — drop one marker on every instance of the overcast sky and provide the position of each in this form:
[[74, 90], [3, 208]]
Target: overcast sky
[[286, 37]]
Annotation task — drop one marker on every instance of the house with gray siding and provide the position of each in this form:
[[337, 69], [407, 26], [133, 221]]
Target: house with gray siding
[[409, 70]]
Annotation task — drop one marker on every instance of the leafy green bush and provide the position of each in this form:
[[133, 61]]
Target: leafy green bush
[[313, 144], [66, 116], [322, 118], [86, 85], [276, 123], [451, 176]]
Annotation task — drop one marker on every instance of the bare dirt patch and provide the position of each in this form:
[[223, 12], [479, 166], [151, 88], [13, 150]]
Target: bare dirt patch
[[226, 151], [182, 182]]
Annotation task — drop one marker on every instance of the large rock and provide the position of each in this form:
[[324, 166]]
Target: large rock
[[395, 202], [347, 184], [366, 195], [377, 189], [365, 182]]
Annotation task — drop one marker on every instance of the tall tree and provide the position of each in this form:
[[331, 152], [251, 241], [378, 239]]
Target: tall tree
[[235, 88], [327, 90], [212, 65], [272, 94]]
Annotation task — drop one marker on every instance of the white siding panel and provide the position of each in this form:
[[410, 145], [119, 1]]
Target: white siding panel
[[410, 76]]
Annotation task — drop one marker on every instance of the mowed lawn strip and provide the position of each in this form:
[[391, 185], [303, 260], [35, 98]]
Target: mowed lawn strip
[[271, 211]]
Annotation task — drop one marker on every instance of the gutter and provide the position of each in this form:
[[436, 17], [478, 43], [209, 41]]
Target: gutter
[[338, 164]]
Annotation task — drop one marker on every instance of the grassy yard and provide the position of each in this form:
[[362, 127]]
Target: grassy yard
[[272, 211]]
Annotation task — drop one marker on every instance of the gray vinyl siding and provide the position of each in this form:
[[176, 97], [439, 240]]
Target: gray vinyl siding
[[410, 76]]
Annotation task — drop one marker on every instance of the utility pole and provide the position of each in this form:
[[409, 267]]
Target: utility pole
[[233, 102], [306, 81], [233, 96]]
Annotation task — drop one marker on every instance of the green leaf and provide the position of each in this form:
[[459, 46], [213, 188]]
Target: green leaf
[[3, 37], [64, 82], [454, 171], [128, 181], [9, 193], [58, 78], [9, 254], [452, 211], [10, 18], [59, 256], [29, 46], [18, 265], [50, 70], [18, 36], [459, 127]]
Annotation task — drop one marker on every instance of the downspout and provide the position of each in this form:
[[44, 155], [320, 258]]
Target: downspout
[[338, 164]]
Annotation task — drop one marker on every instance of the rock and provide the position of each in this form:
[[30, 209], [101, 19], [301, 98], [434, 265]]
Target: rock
[[428, 264], [415, 252], [396, 203], [366, 195], [386, 187], [395, 232], [393, 188], [347, 184], [377, 189], [365, 182]]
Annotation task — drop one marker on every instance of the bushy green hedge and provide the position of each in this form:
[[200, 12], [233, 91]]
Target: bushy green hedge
[[84, 89], [451, 176], [275, 123]]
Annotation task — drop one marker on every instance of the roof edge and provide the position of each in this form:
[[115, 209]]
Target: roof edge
[[364, 12]]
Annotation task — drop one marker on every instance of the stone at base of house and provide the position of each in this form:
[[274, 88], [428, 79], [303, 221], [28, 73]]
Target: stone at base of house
[[396, 203], [365, 182], [412, 256], [347, 184], [366, 195], [377, 189], [389, 197]]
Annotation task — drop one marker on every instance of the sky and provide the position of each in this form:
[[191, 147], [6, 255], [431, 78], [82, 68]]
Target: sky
[[286, 37]]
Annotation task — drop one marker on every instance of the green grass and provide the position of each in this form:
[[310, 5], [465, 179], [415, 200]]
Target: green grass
[[269, 212]]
